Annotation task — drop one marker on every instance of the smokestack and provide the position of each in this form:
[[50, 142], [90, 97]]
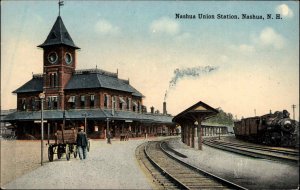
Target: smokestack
[[152, 110], [165, 108]]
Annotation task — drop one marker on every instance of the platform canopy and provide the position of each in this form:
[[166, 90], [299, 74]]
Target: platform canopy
[[187, 120], [91, 114], [198, 111]]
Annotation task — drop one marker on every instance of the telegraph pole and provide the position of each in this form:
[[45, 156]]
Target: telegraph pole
[[293, 106], [42, 97]]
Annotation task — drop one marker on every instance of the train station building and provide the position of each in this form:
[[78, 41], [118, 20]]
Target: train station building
[[98, 99]]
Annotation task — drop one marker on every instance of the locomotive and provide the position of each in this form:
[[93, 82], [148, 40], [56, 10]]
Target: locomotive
[[271, 129]]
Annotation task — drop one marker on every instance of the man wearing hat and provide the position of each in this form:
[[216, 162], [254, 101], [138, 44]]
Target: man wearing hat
[[82, 143]]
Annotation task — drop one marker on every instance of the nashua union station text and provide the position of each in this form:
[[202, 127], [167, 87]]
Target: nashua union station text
[[94, 98]]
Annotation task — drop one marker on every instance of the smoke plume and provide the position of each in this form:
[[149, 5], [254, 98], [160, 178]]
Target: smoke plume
[[193, 72]]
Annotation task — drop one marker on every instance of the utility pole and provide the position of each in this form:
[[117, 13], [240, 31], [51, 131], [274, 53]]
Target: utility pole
[[293, 106], [85, 121], [255, 112], [42, 97]]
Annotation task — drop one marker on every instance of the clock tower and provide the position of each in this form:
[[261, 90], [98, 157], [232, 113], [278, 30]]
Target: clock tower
[[59, 62]]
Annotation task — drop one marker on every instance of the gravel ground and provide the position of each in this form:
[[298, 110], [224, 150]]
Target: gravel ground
[[107, 167], [19, 157], [249, 172]]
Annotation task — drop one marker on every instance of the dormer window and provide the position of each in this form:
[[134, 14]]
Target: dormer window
[[53, 36], [67, 36]]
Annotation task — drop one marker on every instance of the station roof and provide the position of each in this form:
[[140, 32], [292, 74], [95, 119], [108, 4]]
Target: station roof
[[95, 114], [34, 85], [84, 79], [98, 79], [197, 111]]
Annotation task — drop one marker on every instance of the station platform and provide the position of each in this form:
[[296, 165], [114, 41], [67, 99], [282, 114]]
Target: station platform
[[114, 166], [108, 166]]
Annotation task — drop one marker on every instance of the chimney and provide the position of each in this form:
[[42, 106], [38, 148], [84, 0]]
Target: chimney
[[152, 110], [165, 108]]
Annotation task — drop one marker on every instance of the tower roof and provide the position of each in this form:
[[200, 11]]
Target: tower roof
[[58, 35]]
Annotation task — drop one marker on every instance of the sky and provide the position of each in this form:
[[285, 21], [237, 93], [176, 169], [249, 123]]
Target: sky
[[245, 67]]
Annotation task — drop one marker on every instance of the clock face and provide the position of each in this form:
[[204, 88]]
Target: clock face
[[52, 57], [68, 58]]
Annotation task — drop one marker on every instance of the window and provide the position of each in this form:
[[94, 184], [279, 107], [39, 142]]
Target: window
[[33, 104], [113, 102], [121, 103], [53, 80], [82, 101], [138, 107], [71, 102], [92, 102], [129, 103], [52, 102], [23, 104], [134, 107], [105, 100]]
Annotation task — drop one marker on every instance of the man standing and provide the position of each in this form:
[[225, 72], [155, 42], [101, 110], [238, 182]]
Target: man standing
[[82, 143]]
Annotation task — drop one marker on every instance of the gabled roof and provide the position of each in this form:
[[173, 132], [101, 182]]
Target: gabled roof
[[34, 85], [98, 79], [198, 110], [58, 35]]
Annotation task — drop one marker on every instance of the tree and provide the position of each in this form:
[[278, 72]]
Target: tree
[[221, 118]]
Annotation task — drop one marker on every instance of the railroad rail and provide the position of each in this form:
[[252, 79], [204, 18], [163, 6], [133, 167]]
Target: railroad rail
[[172, 173], [256, 151]]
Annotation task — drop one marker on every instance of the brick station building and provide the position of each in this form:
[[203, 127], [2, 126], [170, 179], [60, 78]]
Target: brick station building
[[91, 97]]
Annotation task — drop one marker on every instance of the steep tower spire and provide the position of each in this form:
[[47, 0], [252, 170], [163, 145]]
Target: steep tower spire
[[59, 63], [58, 35]]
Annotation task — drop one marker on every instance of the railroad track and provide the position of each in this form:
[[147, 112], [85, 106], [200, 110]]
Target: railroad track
[[256, 151], [172, 173]]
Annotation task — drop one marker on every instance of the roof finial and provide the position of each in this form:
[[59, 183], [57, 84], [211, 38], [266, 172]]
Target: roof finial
[[60, 3]]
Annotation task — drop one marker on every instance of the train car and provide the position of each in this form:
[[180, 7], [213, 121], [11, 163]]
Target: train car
[[272, 129]]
